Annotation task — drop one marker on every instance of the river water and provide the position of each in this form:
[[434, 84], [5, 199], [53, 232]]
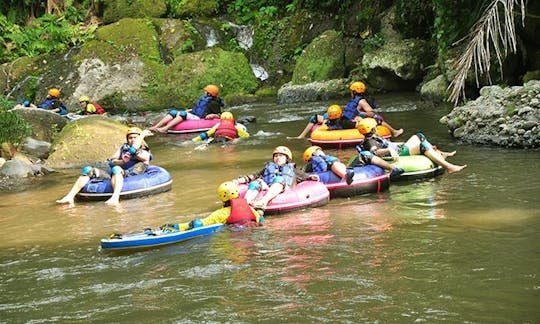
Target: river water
[[459, 248]]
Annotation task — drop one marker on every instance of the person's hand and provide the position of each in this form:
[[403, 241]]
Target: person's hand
[[314, 177], [126, 157], [320, 119], [147, 132]]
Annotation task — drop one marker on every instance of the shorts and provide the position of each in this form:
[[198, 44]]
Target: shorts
[[404, 151]]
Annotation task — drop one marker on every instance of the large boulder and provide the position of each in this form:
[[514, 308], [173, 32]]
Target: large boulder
[[397, 65], [36, 148], [118, 9], [321, 60], [315, 91], [507, 117], [45, 124], [86, 141]]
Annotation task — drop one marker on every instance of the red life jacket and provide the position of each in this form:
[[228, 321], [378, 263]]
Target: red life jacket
[[226, 129], [99, 109], [241, 212]]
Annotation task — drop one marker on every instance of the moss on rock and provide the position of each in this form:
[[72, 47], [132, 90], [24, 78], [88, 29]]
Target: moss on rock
[[196, 8], [88, 140], [323, 59], [183, 81], [118, 9]]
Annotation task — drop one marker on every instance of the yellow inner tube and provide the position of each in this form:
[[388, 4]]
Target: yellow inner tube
[[323, 134]]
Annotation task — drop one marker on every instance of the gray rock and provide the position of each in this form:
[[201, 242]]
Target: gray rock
[[16, 169], [36, 148]]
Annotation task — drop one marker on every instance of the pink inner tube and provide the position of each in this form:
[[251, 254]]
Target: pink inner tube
[[193, 126], [305, 194]]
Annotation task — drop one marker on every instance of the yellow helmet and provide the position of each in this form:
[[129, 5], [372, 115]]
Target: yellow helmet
[[334, 112], [367, 125], [227, 191], [308, 153], [213, 90], [358, 87], [283, 150], [53, 92], [133, 130], [84, 98], [227, 115]]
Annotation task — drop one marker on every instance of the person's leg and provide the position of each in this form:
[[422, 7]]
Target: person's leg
[[419, 143], [395, 132], [117, 182], [306, 130], [254, 187], [342, 171], [275, 189], [162, 122], [394, 171], [175, 121], [436, 157], [77, 186]]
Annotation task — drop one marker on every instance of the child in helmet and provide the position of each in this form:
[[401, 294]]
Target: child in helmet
[[207, 107], [333, 119], [235, 211], [276, 176], [131, 158], [52, 102], [25, 104], [358, 107], [225, 131], [415, 145], [317, 161]]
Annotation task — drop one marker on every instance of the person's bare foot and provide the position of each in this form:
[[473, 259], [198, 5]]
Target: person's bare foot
[[65, 201], [456, 168], [397, 132], [112, 202], [162, 130], [257, 204]]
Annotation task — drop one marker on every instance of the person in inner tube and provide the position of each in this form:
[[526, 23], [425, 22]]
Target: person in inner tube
[[415, 145], [317, 161], [276, 176], [235, 211], [207, 107], [226, 130], [132, 158]]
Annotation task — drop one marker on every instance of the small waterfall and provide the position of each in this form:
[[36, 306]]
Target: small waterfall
[[208, 33], [244, 35], [259, 71]]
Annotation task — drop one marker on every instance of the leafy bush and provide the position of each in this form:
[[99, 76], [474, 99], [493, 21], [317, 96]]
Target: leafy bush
[[13, 129]]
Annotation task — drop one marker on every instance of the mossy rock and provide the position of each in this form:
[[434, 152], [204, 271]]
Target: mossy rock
[[321, 60], [118, 9], [45, 124], [183, 81], [85, 141], [25, 70], [196, 8], [178, 37]]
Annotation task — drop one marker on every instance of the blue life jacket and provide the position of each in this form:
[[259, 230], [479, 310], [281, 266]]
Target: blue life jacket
[[319, 163], [133, 159], [201, 107], [272, 170], [53, 103], [351, 110]]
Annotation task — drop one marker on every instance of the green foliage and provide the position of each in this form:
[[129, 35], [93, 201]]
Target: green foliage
[[13, 129], [47, 34], [374, 42], [414, 18]]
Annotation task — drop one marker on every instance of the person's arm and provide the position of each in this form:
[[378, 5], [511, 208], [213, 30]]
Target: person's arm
[[363, 106], [302, 176], [242, 132], [213, 109], [249, 177], [205, 135]]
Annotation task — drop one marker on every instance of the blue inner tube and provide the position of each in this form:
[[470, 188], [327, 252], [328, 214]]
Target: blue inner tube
[[154, 180], [367, 179]]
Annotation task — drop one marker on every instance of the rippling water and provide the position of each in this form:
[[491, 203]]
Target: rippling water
[[459, 248]]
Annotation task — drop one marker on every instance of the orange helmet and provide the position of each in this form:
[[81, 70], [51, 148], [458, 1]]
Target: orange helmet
[[213, 90], [53, 92], [334, 112], [358, 87], [227, 115], [367, 125], [308, 153], [283, 150]]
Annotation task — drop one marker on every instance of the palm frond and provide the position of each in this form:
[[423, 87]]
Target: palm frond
[[495, 31]]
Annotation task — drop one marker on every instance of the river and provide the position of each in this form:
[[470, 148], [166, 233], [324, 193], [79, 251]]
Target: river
[[461, 248]]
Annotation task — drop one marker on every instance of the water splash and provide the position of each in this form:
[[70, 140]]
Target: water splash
[[259, 72], [244, 35]]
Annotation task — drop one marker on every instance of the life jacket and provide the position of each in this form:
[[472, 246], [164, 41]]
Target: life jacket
[[351, 109], [133, 159], [319, 163], [201, 106], [241, 212], [53, 103], [99, 110], [334, 124], [381, 143], [286, 171], [226, 129]]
